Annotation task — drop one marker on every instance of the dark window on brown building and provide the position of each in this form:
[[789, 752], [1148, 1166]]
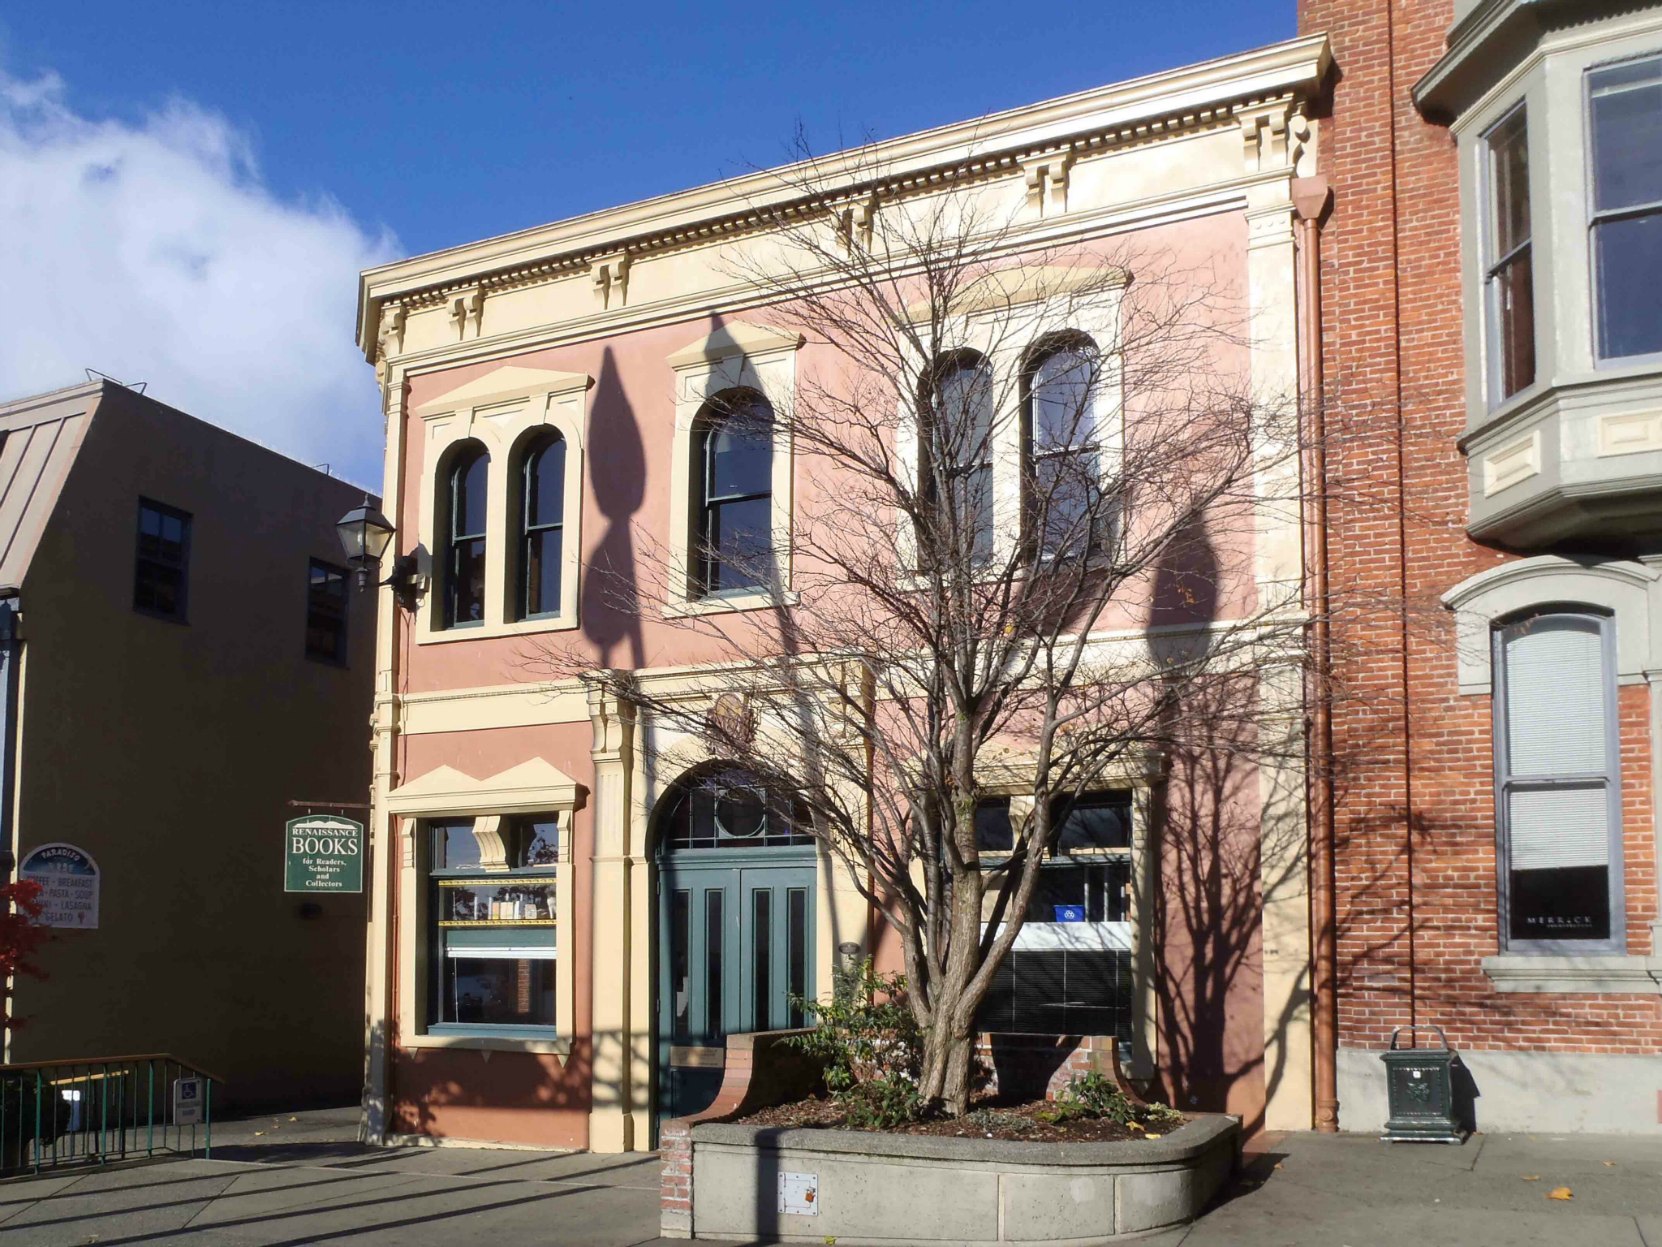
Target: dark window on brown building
[[326, 612], [161, 579]]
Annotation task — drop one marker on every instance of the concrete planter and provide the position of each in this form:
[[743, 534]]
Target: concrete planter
[[868, 1188]]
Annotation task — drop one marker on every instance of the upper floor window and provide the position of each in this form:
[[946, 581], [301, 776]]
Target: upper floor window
[[463, 565], [1063, 482], [1508, 268], [956, 468], [542, 505], [733, 504], [326, 600], [1558, 804], [1624, 107], [161, 579]]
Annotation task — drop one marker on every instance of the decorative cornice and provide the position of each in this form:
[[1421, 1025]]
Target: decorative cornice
[[1175, 102]]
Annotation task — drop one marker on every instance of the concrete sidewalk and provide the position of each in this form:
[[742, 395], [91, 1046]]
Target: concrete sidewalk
[[1354, 1191], [290, 1180], [294, 1179]]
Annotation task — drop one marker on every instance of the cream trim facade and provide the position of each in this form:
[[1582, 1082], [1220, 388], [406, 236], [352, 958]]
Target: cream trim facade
[[502, 411], [533, 787]]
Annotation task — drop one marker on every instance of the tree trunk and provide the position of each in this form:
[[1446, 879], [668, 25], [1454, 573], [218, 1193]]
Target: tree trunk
[[949, 1039]]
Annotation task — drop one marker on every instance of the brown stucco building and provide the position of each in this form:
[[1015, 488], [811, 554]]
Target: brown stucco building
[[191, 657]]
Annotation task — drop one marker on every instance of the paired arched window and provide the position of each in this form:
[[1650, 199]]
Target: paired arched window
[[541, 524], [1557, 771], [465, 511], [956, 460], [733, 504], [1063, 502]]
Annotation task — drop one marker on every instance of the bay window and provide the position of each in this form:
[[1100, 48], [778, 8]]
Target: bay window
[[1624, 113], [1509, 276]]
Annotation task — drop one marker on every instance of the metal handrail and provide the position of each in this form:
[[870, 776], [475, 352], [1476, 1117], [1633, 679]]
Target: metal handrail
[[192, 1066], [97, 1110]]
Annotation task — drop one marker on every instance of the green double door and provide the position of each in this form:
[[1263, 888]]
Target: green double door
[[736, 933]]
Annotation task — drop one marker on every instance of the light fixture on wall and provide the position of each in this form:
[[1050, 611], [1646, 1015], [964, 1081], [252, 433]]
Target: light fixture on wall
[[365, 535]]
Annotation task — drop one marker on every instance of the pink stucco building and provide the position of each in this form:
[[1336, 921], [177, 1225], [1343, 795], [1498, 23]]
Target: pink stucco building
[[533, 977]]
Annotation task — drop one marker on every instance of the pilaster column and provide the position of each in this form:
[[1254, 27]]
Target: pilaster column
[[381, 941], [612, 1124], [1279, 552]]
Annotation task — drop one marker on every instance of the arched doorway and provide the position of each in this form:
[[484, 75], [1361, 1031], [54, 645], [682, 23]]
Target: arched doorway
[[736, 883]]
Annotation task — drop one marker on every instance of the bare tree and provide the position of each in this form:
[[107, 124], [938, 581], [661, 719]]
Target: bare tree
[[949, 625]]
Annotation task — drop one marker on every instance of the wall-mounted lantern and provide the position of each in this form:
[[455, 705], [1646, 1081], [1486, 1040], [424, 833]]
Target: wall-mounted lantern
[[365, 535]]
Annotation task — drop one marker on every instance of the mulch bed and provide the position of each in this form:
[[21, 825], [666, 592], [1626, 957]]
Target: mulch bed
[[989, 1119]]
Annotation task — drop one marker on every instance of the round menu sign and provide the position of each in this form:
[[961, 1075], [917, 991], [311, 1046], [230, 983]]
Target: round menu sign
[[68, 879]]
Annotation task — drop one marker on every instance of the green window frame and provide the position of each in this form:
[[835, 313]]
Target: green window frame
[[492, 927]]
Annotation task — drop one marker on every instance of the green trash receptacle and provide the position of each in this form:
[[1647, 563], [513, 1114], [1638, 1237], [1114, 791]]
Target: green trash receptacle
[[1419, 1084]]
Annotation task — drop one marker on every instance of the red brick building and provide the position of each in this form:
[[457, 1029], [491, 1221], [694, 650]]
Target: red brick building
[[1492, 360]]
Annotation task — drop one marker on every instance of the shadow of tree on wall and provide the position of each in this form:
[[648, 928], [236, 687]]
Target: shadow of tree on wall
[[617, 482]]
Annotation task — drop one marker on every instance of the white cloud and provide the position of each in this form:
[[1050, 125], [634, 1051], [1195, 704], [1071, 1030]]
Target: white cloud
[[153, 251]]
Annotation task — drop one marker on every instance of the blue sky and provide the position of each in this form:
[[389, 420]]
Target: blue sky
[[195, 138]]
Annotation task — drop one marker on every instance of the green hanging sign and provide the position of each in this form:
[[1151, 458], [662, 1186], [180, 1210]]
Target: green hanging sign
[[323, 853]]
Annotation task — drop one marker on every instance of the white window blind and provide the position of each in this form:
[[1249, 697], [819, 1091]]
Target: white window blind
[[1555, 828], [1556, 714], [1558, 801]]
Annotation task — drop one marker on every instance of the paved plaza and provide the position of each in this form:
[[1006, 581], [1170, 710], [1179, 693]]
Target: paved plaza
[[289, 1180]]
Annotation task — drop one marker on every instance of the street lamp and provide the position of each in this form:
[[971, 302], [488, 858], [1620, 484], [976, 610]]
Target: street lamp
[[365, 535]]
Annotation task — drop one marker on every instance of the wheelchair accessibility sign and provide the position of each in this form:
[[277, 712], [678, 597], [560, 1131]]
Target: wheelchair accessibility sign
[[187, 1101]]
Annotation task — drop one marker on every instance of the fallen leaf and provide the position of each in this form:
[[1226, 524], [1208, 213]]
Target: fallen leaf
[[1609, 1164], [258, 1133], [1532, 1177], [1151, 1136], [1560, 1192], [1278, 1164], [1131, 1125], [294, 1119]]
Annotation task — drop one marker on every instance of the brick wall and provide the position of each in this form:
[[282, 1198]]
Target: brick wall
[[1416, 860]]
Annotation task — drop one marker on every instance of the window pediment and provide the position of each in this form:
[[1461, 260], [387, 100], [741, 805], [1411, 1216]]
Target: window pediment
[[503, 385], [734, 338], [534, 786]]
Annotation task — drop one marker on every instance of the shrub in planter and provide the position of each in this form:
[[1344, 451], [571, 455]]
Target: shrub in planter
[[870, 1046], [1096, 1095]]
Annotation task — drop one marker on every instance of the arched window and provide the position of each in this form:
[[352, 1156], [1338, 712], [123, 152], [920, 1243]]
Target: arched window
[[1557, 772], [730, 808], [542, 500], [733, 446], [956, 460], [1063, 500], [464, 536]]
